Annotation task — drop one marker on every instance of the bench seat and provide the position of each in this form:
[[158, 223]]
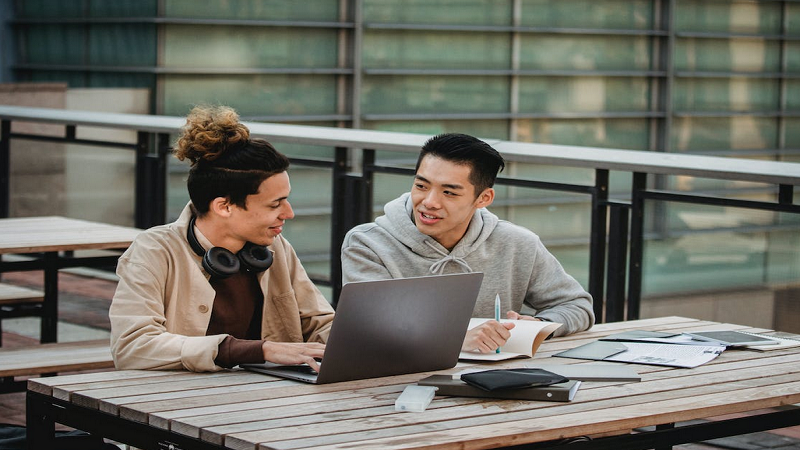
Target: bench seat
[[13, 295], [40, 359]]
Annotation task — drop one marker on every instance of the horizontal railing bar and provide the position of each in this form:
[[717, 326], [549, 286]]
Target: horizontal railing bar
[[672, 196], [66, 140], [548, 154]]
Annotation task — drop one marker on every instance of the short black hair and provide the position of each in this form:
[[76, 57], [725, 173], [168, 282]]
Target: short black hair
[[485, 162]]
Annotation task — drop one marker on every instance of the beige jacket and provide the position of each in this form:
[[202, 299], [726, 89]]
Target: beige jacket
[[163, 303]]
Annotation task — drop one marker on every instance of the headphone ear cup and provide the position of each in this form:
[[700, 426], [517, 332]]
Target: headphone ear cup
[[220, 262], [255, 258]]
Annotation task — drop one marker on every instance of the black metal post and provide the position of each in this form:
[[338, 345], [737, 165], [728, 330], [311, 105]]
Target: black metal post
[[617, 262], [151, 180], [637, 244], [352, 205], [49, 324], [597, 242], [5, 168]]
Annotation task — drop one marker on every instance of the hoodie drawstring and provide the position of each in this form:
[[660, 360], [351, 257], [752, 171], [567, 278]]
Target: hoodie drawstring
[[437, 268]]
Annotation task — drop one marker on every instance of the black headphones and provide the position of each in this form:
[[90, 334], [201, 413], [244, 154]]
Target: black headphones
[[221, 263]]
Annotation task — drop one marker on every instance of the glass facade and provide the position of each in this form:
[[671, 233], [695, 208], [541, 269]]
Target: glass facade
[[715, 77]]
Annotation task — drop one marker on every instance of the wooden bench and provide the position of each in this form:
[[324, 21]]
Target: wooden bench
[[18, 301], [42, 359]]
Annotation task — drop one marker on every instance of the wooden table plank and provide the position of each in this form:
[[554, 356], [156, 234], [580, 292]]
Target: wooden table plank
[[38, 234], [500, 411], [476, 435]]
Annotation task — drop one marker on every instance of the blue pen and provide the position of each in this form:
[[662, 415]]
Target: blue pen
[[497, 313]]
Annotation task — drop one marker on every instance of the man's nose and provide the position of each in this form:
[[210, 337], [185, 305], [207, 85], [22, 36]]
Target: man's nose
[[288, 212], [431, 200]]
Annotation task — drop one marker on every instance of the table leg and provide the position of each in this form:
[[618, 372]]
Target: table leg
[[665, 426], [49, 327], [41, 428]]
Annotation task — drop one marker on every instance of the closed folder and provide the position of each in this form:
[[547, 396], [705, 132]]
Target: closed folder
[[448, 385]]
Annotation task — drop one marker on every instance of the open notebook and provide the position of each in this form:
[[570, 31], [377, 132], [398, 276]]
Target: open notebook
[[392, 327]]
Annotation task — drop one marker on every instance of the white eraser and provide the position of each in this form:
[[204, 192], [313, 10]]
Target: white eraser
[[415, 398]]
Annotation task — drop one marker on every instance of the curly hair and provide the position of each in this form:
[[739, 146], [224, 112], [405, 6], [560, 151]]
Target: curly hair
[[225, 161], [210, 131]]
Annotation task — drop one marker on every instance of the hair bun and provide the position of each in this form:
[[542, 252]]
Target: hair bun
[[209, 132]]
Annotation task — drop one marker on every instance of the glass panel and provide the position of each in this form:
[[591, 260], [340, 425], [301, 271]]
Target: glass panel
[[436, 50], [100, 184], [611, 133], [610, 14], [792, 132], [119, 80], [435, 94], [730, 94], [252, 94], [49, 8], [739, 55], [574, 94], [732, 17], [793, 56], [122, 45], [486, 129], [324, 10], [247, 47], [701, 133], [123, 8], [793, 19], [469, 12], [53, 44], [735, 188], [577, 52]]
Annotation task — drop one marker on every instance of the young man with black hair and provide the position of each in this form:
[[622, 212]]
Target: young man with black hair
[[442, 226]]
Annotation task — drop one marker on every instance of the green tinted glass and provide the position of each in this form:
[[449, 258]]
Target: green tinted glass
[[576, 52], [323, 10], [731, 17], [609, 14], [123, 8], [248, 47], [252, 95], [435, 50], [611, 133], [702, 133], [731, 94], [54, 44], [450, 12], [792, 133], [441, 94], [122, 45], [572, 94], [739, 55], [487, 129]]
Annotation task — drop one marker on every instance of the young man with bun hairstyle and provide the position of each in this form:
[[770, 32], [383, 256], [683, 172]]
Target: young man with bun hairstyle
[[220, 286], [442, 226]]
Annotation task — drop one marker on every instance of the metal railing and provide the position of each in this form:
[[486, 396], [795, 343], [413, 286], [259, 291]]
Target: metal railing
[[616, 238]]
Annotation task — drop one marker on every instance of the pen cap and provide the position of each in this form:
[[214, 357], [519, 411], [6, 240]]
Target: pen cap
[[415, 398]]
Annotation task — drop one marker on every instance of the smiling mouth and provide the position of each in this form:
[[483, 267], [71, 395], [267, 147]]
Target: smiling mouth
[[428, 219]]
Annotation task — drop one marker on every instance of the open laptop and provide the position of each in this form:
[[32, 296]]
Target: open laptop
[[392, 327]]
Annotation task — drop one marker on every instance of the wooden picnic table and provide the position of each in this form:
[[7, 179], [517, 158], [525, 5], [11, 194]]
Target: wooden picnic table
[[248, 411], [51, 241]]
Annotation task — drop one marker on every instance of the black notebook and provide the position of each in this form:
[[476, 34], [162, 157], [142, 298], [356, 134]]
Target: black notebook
[[448, 385]]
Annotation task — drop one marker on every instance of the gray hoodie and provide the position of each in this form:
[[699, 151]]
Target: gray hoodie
[[515, 263]]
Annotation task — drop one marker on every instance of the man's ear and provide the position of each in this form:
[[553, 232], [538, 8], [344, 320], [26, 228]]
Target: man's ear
[[485, 198], [220, 206]]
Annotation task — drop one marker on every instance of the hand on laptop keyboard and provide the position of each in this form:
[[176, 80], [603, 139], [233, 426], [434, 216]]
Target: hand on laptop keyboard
[[293, 353]]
